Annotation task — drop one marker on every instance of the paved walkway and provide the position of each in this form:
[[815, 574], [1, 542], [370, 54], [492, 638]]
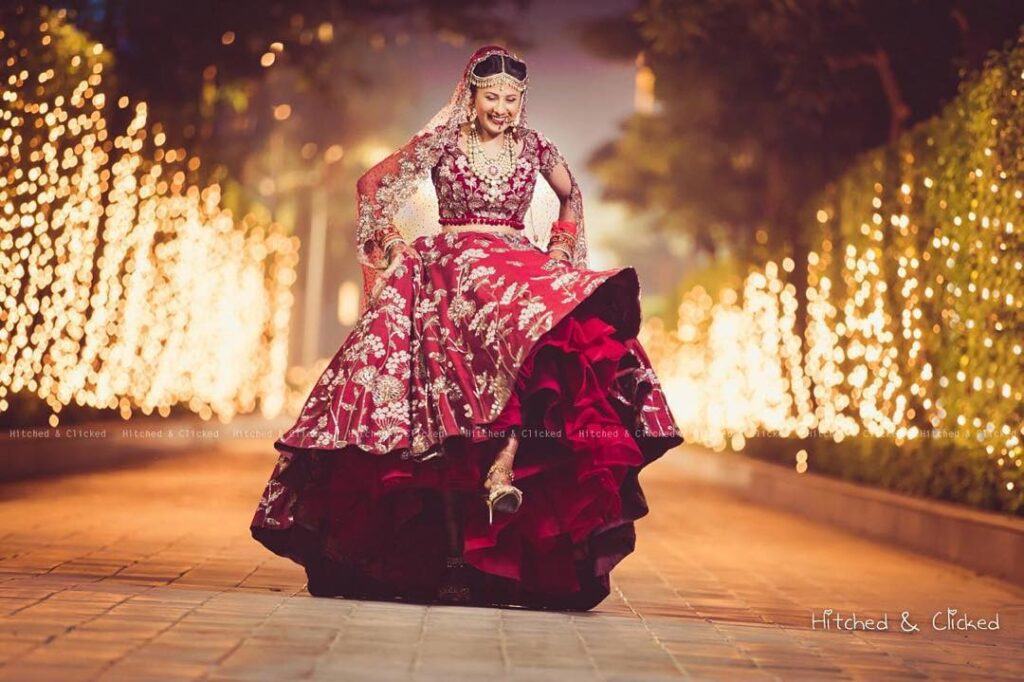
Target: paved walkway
[[149, 573]]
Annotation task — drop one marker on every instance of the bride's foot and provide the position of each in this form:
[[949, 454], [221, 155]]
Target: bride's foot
[[501, 472], [503, 497]]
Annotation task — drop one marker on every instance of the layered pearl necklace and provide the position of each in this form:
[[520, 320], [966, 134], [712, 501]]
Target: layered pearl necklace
[[493, 172]]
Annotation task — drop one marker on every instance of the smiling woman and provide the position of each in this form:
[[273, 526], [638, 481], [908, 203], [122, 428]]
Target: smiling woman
[[478, 436], [495, 87]]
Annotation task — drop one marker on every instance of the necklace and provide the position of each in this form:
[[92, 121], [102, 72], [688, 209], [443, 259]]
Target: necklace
[[493, 172]]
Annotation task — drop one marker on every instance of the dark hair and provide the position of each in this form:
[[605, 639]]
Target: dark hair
[[497, 63]]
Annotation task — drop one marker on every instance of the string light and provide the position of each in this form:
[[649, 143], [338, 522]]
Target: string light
[[913, 325], [124, 286]]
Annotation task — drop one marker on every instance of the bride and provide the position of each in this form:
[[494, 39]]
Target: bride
[[478, 436]]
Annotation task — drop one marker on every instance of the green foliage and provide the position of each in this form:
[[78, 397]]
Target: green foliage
[[933, 469], [760, 102], [940, 212]]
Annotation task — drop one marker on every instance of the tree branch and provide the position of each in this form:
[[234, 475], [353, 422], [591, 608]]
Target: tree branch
[[899, 112]]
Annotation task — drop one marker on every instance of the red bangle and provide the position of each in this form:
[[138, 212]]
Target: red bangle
[[564, 226], [390, 232]]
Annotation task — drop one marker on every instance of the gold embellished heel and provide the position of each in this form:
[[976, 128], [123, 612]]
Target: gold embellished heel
[[504, 498]]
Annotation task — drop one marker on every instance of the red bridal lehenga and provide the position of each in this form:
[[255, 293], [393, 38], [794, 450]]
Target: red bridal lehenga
[[481, 336]]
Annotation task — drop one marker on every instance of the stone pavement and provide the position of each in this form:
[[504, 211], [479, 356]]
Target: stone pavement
[[150, 574]]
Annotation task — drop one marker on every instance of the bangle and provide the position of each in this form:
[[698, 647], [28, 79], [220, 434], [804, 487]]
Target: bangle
[[388, 233], [391, 245], [562, 249], [565, 226], [565, 242]]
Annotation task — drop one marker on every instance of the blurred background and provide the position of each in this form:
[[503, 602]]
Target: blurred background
[[823, 201]]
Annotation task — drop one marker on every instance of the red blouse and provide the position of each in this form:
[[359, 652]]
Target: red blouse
[[462, 198]]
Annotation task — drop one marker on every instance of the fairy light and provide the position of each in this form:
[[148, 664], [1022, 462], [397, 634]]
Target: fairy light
[[124, 286], [910, 325]]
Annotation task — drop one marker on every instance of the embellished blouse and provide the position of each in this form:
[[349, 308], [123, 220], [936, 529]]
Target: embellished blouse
[[463, 198]]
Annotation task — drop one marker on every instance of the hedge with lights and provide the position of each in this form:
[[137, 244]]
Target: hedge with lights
[[125, 286], [942, 213], [910, 374]]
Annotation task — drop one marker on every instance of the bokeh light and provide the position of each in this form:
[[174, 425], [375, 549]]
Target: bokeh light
[[124, 284], [914, 318]]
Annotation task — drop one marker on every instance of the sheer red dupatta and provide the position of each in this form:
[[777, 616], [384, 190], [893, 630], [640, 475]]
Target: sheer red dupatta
[[380, 193]]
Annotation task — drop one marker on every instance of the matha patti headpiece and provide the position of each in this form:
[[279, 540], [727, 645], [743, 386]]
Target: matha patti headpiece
[[501, 78]]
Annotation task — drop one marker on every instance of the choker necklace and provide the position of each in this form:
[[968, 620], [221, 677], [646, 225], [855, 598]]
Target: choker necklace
[[493, 172]]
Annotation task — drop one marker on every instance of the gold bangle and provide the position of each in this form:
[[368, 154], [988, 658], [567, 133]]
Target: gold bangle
[[559, 248]]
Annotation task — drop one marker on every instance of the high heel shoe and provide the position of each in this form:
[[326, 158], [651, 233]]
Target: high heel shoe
[[504, 497]]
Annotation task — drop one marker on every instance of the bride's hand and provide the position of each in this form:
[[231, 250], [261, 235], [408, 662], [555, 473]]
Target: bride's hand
[[558, 254], [399, 252]]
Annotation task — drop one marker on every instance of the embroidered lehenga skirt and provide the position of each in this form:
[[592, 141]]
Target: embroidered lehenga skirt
[[484, 336]]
